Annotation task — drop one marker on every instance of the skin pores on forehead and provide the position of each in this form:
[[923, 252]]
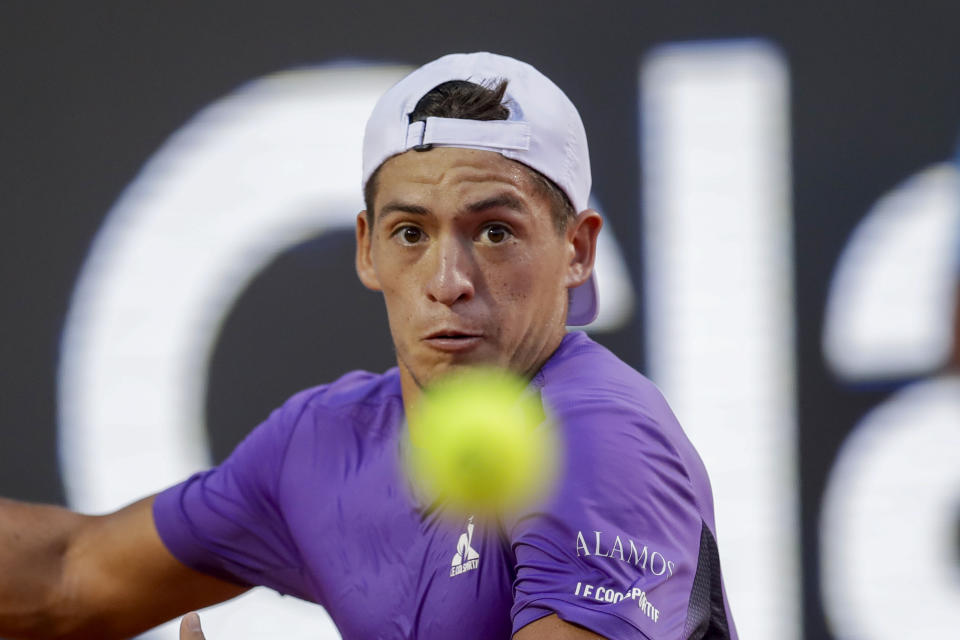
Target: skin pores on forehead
[[472, 268]]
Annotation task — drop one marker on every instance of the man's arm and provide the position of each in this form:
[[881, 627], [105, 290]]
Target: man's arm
[[66, 575], [549, 628], [553, 628]]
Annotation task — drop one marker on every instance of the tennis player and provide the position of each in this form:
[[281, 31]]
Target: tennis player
[[478, 233]]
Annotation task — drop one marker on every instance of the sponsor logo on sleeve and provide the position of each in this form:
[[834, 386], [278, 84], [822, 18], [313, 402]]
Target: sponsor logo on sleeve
[[624, 549], [613, 596]]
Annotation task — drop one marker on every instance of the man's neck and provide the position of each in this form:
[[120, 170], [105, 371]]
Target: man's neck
[[411, 388]]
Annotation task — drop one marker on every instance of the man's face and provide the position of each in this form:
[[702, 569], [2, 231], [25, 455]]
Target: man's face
[[471, 266]]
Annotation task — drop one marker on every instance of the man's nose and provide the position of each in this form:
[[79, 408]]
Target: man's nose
[[452, 271]]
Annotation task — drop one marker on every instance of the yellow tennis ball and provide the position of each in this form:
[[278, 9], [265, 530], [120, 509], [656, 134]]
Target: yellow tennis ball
[[482, 442]]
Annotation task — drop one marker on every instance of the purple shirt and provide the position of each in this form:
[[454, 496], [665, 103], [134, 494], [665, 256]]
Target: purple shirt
[[314, 503]]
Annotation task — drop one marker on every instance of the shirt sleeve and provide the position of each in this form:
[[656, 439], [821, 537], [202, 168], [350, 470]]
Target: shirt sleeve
[[615, 549], [228, 522]]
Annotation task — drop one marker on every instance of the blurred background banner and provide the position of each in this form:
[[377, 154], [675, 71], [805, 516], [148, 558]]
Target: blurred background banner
[[781, 256]]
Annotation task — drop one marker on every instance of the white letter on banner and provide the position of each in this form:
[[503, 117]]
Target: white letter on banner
[[719, 291]]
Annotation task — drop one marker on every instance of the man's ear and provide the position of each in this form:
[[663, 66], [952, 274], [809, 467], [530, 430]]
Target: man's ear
[[364, 259], [582, 233]]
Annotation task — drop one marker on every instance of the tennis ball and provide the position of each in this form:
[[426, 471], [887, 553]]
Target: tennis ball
[[482, 443]]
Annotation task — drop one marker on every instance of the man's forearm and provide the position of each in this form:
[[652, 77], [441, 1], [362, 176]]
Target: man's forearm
[[34, 540]]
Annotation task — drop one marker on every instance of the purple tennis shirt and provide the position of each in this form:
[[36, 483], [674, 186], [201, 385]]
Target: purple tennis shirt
[[314, 503]]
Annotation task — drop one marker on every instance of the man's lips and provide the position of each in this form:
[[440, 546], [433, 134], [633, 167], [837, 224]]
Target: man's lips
[[453, 340]]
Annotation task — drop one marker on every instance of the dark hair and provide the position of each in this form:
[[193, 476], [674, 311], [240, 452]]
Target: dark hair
[[472, 101]]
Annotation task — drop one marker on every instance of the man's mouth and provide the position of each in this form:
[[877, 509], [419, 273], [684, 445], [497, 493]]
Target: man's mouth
[[453, 340]]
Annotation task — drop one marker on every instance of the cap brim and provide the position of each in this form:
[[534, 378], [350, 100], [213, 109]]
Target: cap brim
[[584, 305]]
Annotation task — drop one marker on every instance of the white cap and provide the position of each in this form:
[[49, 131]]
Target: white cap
[[543, 131]]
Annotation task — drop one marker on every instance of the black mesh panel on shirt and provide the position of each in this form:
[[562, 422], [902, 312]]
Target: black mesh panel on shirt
[[706, 615]]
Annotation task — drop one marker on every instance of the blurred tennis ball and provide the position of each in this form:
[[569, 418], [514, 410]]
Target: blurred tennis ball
[[482, 443]]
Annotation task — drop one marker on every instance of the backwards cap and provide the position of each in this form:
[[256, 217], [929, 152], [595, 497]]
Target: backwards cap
[[543, 131]]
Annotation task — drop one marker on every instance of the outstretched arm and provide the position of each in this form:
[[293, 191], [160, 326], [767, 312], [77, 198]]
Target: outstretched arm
[[67, 575]]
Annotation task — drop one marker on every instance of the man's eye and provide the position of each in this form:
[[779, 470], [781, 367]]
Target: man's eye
[[495, 234], [410, 235]]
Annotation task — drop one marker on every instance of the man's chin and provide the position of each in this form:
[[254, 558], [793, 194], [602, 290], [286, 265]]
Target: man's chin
[[453, 367]]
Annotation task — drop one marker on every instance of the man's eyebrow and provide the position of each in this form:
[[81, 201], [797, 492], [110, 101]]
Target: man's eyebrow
[[501, 200], [396, 206]]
